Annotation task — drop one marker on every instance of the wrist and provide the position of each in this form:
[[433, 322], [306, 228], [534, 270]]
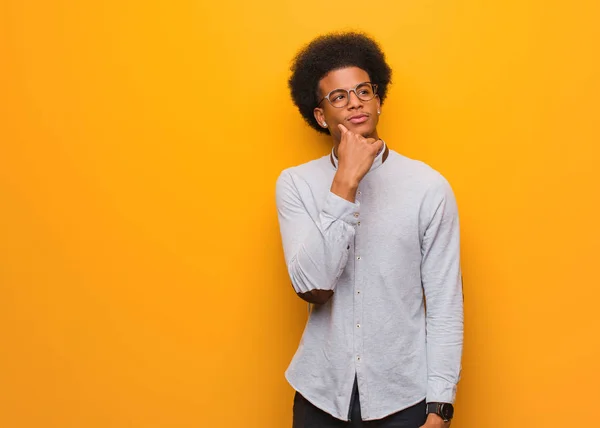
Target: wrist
[[445, 411], [346, 178], [344, 186], [435, 421], [434, 417]]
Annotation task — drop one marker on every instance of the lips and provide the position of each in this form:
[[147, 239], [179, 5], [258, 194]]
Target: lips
[[359, 118]]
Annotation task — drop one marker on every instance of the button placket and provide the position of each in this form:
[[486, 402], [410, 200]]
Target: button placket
[[358, 194], [358, 302], [358, 327]]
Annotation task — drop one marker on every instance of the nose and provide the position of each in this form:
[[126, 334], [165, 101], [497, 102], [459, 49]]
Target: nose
[[353, 100]]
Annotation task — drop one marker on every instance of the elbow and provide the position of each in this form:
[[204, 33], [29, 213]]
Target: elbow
[[301, 280], [317, 297], [305, 284]]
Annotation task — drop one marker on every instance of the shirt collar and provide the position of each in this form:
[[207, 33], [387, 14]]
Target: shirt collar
[[381, 156]]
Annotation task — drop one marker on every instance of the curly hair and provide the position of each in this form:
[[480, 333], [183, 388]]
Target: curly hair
[[331, 52]]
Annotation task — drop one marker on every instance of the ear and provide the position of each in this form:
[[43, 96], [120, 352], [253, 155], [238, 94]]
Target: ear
[[319, 116], [378, 101]]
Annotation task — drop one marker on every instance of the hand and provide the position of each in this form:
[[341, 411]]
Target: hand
[[356, 154], [435, 421]]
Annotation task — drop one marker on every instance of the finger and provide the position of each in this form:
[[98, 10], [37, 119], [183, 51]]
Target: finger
[[378, 144], [342, 128]]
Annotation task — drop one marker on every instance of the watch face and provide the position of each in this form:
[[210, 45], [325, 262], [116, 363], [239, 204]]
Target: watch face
[[447, 411]]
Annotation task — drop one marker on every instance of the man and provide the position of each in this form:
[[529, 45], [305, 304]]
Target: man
[[371, 240]]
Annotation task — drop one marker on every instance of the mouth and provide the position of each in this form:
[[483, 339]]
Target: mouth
[[359, 118]]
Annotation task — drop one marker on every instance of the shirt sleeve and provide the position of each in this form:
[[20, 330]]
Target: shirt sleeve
[[315, 243], [442, 284]]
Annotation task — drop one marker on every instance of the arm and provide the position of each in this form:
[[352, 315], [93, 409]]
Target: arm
[[315, 249], [442, 284]]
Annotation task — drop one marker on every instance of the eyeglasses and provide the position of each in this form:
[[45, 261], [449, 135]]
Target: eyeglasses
[[339, 98]]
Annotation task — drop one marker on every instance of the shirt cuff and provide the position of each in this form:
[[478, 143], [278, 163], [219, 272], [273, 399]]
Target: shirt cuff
[[441, 392], [340, 208]]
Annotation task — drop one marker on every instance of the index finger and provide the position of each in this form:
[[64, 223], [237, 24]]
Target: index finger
[[342, 128]]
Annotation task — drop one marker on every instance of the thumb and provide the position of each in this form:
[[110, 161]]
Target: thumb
[[342, 128]]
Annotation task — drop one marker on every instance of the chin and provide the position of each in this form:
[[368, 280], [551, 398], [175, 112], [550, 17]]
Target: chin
[[365, 129], [366, 132]]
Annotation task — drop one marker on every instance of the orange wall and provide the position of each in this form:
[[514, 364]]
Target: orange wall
[[142, 281]]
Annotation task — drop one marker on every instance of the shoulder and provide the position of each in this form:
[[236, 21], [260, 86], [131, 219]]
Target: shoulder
[[433, 190], [420, 174], [300, 181], [307, 171]]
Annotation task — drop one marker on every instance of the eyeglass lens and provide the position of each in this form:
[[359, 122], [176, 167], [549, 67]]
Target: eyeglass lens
[[339, 97]]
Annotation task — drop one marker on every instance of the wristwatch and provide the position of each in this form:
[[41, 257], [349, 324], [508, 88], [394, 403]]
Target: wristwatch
[[444, 410]]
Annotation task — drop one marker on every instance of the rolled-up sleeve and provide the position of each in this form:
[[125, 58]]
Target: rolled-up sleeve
[[315, 242]]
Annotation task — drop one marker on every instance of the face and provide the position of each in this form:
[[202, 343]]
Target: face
[[358, 116]]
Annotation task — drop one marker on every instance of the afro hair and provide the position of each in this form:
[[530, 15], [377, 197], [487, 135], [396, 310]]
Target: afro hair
[[331, 52]]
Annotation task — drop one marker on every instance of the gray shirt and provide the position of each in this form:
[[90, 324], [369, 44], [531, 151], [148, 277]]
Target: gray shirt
[[385, 255]]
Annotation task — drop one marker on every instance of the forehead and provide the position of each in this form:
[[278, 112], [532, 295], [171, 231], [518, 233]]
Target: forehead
[[344, 78]]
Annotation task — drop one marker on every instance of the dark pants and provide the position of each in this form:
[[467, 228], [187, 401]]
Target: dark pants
[[308, 416]]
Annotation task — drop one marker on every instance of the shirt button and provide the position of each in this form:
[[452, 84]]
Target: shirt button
[[356, 215], [359, 223], [358, 258], [357, 325], [359, 193], [358, 292], [358, 358]]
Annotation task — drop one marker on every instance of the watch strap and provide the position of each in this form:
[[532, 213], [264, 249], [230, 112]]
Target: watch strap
[[443, 410]]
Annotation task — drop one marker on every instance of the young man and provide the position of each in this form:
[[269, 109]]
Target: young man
[[371, 239]]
